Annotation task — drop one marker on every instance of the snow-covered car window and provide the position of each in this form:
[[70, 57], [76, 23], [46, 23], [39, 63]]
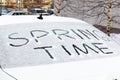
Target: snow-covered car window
[[41, 43]]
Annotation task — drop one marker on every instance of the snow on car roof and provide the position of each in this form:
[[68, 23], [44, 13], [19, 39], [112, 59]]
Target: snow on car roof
[[26, 41], [30, 18]]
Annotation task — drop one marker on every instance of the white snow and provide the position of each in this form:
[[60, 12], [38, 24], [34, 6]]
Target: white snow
[[21, 19], [96, 69], [115, 37], [23, 38]]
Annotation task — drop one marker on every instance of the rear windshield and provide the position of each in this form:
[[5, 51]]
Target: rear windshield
[[52, 42]]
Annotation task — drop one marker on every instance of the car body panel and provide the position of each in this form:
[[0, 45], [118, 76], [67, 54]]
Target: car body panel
[[17, 13], [56, 48]]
